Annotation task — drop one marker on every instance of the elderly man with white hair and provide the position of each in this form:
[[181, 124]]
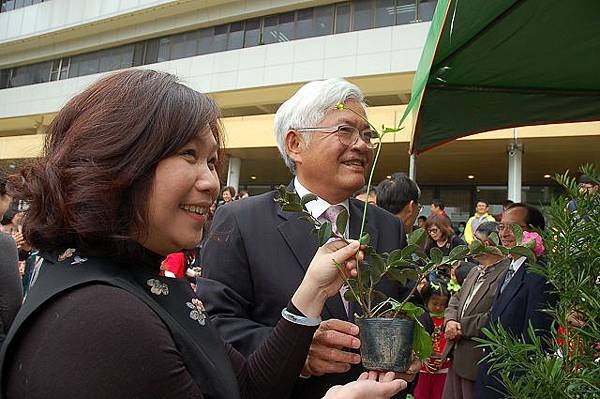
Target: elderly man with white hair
[[256, 254]]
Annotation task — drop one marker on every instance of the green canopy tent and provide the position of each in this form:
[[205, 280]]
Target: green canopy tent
[[493, 64]]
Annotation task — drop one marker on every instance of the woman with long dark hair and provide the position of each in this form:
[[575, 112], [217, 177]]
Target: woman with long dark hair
[[128, 174]]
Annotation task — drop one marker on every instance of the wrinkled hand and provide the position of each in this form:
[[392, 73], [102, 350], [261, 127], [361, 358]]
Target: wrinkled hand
[[371, 385], [326, 354], [323, 272], [453, 330]]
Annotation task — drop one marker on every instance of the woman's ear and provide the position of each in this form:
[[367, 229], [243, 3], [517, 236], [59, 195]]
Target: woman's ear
[[294, 145]]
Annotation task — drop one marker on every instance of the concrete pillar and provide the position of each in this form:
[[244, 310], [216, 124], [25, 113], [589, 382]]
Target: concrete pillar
[[515, 155], [412, 167], [233, 175]]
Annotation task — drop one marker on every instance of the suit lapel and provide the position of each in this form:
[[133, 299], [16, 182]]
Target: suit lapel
[[302, 242], [491, 277], [467, 287], [504, 298]]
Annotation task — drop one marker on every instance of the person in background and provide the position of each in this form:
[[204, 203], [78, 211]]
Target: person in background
[[461, 230], [243, 194], [433, 373], [438, 208], [505, 205], [227, 195], [11, 289], [400, 195], [440, 235], [586, 185], [467, 312], [458, 273], [521, 297], [421, 221], [481, 215], [369, 199]]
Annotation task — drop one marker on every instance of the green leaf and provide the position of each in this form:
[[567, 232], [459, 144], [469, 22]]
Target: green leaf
[[364, 239], [422, 342], [518, 232], [494, 238], [493, 250], [408, 250], [409, 309], [402, 275], [341, 221], [530, 244], [349, 296], [394, 256], [436, 255], [476, 247], [308, 198], [417, 237], [391, 129], [505, 251], [377, 268], [458, 252], [324, 233], [523, 251]]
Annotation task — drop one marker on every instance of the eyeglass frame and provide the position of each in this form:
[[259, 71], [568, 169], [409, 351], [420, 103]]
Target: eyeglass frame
[[336, 129]]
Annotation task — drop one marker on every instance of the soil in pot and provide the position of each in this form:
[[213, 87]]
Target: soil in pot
[[386, 343]]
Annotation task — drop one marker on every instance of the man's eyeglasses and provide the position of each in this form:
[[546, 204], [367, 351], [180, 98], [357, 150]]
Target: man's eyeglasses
[[347, 135]]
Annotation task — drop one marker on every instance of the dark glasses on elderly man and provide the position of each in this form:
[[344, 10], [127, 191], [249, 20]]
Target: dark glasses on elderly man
[[346, 134]]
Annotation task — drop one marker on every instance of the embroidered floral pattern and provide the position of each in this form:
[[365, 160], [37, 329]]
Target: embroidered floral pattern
[[67, 254], [158, 288], [78, 260], [197, 312]]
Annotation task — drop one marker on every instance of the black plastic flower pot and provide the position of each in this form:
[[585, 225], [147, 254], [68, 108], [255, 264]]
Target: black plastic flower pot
[[386, 344]]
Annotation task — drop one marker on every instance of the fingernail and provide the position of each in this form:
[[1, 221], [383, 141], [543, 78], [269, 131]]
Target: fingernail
[[356, 359], [355, 343], [354, 330]]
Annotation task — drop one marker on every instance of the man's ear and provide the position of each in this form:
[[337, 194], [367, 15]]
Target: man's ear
[[294, 145]]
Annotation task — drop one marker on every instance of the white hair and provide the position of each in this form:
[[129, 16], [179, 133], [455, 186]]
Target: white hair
[[308, 107]]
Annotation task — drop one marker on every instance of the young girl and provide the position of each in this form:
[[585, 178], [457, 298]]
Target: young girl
[[434, 370]]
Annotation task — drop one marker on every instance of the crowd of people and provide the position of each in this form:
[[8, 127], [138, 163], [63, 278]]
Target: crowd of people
[[124, 211]]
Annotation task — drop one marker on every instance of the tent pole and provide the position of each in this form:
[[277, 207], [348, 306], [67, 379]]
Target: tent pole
[[412, 168], [515, 155]]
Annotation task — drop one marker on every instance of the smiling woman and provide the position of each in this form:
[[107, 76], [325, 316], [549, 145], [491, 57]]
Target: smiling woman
[[128, 174]]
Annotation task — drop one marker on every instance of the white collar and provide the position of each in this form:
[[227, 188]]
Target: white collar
[[319, 206], [517, 263]]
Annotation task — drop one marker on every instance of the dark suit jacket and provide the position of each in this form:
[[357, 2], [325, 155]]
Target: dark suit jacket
[[254, 259], [473, 318], [518, 305]]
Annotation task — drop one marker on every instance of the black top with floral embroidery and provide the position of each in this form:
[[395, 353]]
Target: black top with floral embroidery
[[100, 341]]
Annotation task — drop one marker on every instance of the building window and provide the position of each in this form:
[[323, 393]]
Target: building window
[[9, 5], [323, 21], [236, 36], [304, 24], [342, 18], [252, 33], [385, 13], [310, 22], [363, 15]]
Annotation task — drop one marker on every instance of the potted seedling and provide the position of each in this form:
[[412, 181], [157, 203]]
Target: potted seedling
[[390, 329]]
